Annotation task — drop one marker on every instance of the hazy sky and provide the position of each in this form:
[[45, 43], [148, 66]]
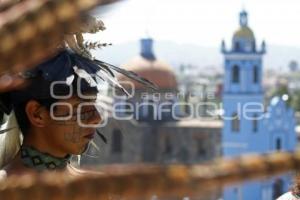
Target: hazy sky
[[203, 22]]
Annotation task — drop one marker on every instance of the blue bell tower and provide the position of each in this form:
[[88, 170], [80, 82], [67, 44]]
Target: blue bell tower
[[248, 128], [243, 93]]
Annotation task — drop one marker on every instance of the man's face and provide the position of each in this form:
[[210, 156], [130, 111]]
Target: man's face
[[71, 124]]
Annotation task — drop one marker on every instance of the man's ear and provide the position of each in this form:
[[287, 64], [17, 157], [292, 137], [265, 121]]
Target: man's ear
[[36, 114]]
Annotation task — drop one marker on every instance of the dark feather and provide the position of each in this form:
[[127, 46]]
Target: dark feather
[[6, 130], [5, 104], [108, 70], [101, 136], [91, 64], [129, 74]]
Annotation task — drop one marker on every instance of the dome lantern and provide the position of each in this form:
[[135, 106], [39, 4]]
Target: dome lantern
[[148, 66], [147, 49], [243, 18], [243, 40]]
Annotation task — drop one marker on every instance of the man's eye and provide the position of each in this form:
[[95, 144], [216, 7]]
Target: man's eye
[[65, 114], [84, 116], [88, 114]]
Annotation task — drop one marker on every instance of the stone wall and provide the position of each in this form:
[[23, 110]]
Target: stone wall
[[143, 142]]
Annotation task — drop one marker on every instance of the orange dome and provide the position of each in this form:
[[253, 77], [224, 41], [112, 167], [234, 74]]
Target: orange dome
[[156, 71]]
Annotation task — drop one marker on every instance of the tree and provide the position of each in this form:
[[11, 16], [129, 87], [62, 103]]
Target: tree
[[296, 101], [283, 90]]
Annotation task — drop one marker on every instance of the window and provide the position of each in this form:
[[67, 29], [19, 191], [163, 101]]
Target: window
[[253, 46], [143, 109], [235, 123], [278, 144], [237, 46], [255, 123], [255, 74], [151, 110], [183, 155], [117, 140], [168, 146], [235, 74], [201, 150]]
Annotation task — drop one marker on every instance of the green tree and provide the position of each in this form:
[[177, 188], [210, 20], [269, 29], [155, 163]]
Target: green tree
[[294, 97], [283, 90], [296, 101]]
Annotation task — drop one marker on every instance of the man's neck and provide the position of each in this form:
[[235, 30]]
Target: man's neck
[[37, 140]]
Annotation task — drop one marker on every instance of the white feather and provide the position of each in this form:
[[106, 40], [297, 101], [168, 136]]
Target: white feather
[[112, 80], [10, 141], [86, 76], [70, 79]]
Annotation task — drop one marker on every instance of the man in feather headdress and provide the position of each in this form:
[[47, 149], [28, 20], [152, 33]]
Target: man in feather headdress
[[56, 113]]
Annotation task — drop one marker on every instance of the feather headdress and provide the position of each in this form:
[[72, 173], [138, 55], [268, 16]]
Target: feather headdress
[[72, 61]]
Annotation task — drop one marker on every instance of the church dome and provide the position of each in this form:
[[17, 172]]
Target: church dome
[[147, 66], [244, 32], [243, 40]]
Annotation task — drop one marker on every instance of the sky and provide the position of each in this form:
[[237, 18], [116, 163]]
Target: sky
[[201, 22]]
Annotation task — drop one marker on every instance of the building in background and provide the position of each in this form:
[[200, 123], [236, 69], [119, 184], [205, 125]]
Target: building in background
[[149, 132], [200, 86], [247, 127], [153, 130]]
